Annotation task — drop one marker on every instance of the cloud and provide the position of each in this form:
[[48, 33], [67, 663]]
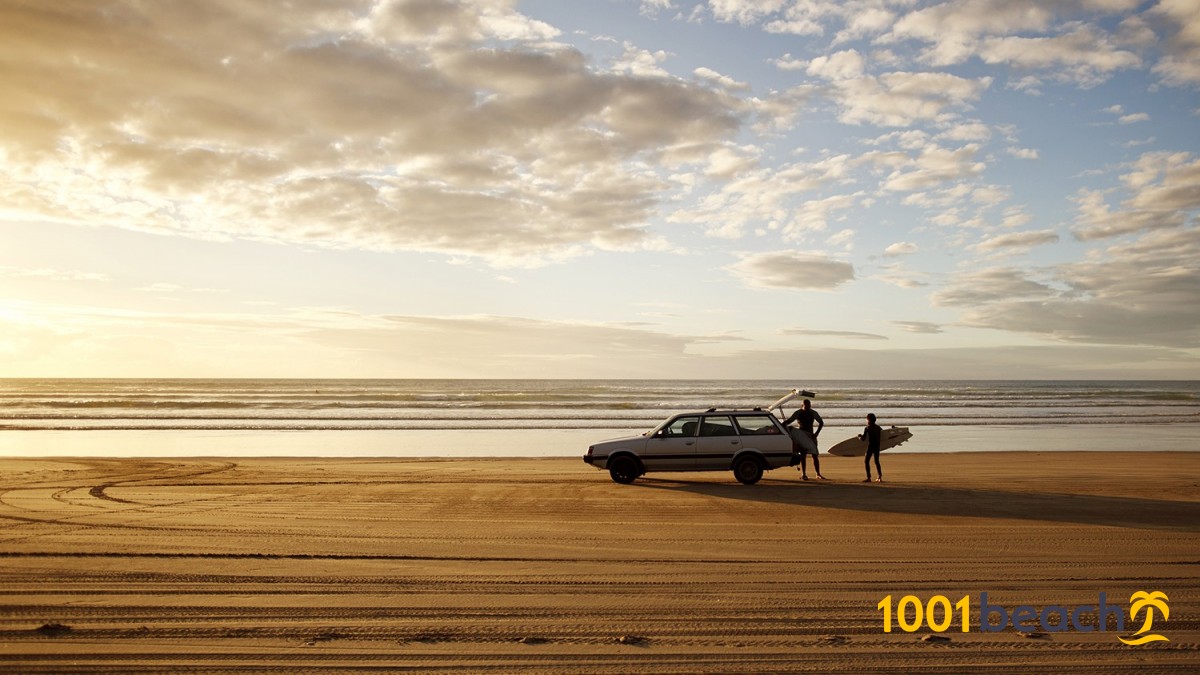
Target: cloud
[[1017, 240], [789, 62], [61, 340], [921, 327], [1085, 56], [441, 126], [744, 12], [724, 81], [998, 31], [1145, 292], [902, 99], [58, 340], [1163, 188], [900, 276], [953, 29], [1180, 66], [844, 65], [1023, 153], [765, 197], [900, 248], [969, 289], [791, 270], [933, 166], [814, 215], [851, 335], [1000, 363], [1132, 118]]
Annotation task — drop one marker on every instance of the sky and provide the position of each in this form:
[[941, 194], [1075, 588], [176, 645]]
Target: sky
[[784, 189]]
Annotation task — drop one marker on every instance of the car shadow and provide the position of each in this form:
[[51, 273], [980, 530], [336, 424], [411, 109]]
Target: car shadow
[[937, 500]]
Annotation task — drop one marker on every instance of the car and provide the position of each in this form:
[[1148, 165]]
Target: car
[[747, 442]]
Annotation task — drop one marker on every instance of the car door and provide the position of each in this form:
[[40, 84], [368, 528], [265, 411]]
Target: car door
[[762, 434], [717, 443], [673, 447]]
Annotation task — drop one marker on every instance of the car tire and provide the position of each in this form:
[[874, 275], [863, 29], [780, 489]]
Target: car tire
[[624, 469], [748, 470]]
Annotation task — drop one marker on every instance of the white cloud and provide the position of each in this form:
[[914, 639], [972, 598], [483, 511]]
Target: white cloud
[[641, 62], [437, 21], [764, 197], [901, 99], [843, 238], [1135, 117], [921, 327], [792, 270], [848, 334], [1018, 240], [1164, 189], [815, 215], [724, 81], [1145, 292], [844, 65], [1023, 153], [969, 289], [934, 165], [1085, 56], [967, 132], [1180, 66], [744, 12], [900, 248], [432, 126], [789, 62], [897, 274], [652, 7], [958, 31]]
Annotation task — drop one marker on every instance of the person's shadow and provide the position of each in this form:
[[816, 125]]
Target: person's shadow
[[917, 499]]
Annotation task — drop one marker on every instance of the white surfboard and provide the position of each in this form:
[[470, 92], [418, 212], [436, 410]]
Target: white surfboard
[[856, 447], [789, 396], [786, 397]]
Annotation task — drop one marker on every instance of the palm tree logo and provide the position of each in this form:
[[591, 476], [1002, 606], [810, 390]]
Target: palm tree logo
[[1142, 600]]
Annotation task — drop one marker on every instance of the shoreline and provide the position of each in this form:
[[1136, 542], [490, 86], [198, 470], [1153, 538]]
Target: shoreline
[[471, 443]]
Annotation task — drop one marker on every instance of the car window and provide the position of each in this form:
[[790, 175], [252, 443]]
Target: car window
[[717, 425], [684, 426], [751, 425]]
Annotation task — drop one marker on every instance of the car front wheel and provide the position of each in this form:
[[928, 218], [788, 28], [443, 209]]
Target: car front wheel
[[748, 470], [623, 470]]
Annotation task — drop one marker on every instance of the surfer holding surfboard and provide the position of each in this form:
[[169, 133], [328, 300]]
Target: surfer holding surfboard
[[872, 434], [805, 437]]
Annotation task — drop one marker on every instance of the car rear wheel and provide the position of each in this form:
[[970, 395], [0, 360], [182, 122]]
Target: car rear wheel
[[748, 470], [624, 469]]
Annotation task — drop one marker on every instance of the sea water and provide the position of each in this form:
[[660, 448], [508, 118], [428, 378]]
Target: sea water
[[456, 418]]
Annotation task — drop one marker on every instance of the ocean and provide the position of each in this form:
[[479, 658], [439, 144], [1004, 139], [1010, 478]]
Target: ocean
[[456, 418]]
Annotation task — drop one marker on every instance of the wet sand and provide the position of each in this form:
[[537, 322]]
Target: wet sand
[[545, 565]]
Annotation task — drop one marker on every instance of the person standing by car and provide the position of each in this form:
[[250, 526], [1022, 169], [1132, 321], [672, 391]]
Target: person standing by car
[[805, 417], [872, 435]]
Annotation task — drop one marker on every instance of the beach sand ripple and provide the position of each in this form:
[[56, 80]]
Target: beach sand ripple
[[121, 565]]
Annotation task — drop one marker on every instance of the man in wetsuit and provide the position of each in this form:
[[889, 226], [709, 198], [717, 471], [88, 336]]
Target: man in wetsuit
[[805, 416], [872, 435]]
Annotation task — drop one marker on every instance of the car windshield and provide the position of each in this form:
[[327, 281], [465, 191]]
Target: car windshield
[[682, 426]]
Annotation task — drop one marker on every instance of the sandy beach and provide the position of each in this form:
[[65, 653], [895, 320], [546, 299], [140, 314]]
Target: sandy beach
[[545, 565]]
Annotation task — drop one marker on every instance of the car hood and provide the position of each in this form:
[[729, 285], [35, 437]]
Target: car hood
[[624, 441]]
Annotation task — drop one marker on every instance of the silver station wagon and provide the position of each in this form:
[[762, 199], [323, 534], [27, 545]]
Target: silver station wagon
[[747, 442]]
